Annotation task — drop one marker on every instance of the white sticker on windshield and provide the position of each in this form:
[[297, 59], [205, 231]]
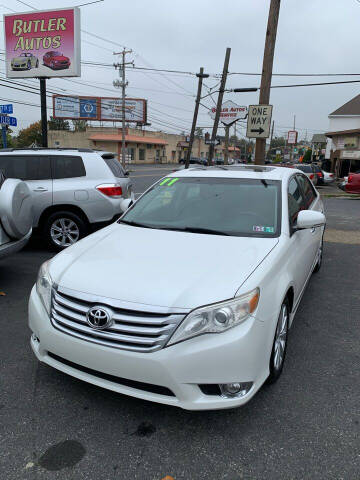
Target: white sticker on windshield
[[260, 228]]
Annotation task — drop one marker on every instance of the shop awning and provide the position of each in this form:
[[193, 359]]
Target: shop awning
[[107, 137]]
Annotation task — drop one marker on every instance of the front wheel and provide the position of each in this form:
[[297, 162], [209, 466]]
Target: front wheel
[[278, 352], [63, 229]]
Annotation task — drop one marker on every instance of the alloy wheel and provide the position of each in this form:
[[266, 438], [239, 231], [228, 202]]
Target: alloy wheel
[[281, 338], [64, 232]]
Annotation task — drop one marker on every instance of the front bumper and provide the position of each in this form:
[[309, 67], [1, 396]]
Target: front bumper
[[233, 356], [14, 246]]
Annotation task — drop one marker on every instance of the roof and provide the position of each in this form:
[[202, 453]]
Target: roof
[[108, 137], [343, 132], [352, 107], [319, 138], [236, 171]]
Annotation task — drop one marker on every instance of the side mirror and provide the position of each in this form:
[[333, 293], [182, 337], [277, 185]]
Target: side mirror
[[127, 173], [310, 219], [125, 204]]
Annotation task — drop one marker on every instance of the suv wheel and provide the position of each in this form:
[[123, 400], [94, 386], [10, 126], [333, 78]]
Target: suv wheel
[[63, 229], [280, 342]]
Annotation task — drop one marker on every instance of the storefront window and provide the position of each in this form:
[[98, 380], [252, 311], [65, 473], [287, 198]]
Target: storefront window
[[141, 154]]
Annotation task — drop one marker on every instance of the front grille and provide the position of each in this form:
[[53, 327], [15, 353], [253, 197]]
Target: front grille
[[146, 387], [139, 331]]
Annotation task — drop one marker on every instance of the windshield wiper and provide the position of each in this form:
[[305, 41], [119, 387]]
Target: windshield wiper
[[135, 224], [195, 230]]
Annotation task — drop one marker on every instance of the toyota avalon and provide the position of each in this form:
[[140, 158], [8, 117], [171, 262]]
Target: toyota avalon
[[186, 300]]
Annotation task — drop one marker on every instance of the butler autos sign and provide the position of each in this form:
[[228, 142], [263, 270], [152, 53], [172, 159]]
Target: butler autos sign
[[230, 112], [99, 108], [43, 43]]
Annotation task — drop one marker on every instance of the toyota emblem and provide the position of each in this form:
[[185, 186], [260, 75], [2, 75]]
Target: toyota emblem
[[99, 317]]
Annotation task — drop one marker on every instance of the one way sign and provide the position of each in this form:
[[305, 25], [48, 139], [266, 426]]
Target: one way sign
[[259, 121]]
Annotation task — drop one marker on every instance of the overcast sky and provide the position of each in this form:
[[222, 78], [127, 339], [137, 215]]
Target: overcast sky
[[314, 36]]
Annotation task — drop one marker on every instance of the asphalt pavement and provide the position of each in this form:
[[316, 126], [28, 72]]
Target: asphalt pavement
[[306, 426]]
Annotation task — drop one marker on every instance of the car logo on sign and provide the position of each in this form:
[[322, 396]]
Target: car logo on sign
[[99, 318]]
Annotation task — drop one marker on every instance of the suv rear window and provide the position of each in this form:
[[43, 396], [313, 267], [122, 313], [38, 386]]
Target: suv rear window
[[115, 167], [304, 168], [67, 166], [26, 167]]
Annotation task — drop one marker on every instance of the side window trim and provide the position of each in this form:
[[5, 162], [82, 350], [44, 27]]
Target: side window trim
[[306, 179], [294, 177]]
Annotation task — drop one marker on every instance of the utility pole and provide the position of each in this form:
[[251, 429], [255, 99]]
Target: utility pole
[[268, 61], [123, 84], [218, 106], [201, 75], [226, 152], [44, 132]]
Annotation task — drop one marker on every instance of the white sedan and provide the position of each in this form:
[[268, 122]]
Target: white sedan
[[188, 298]]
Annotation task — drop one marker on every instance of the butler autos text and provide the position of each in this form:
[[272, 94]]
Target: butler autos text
[[21, 27]]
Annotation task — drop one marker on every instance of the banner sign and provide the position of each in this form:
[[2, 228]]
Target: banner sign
[[230, 112], [43, 43], [99, 108], [292, 137]]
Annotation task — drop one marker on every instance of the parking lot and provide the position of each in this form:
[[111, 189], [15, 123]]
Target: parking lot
[[306, 426]]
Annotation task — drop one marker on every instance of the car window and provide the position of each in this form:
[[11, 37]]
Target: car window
[[233, 206], [304, 168], [308, 190], [26, 167], [67, 166], [115, 167], [295, 200]]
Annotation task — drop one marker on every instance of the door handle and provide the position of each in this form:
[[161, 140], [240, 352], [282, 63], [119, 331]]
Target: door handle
[[40, 189]]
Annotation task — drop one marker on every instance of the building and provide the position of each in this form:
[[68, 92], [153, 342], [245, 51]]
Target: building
[[343, 144], [143, 146], [318, 146]]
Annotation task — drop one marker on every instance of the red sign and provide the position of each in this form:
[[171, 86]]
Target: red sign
[[292, 137], [43, 43]]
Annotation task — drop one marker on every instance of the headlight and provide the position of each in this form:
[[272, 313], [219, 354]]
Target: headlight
[[44, 285], [217, 318]]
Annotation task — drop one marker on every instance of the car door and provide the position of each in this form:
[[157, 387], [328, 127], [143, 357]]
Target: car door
[[299, 239], [36, 171], [312, 201]]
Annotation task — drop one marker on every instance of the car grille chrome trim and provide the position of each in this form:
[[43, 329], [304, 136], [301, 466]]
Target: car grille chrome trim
[[131, 330]]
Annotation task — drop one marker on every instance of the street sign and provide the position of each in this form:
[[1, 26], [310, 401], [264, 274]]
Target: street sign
[[4, 120], [215, 142], [6, 108], [259, 121], [292, 137], [230, 112]]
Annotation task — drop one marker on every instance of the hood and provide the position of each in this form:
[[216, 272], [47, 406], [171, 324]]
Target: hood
[[60, 58], [159, 267]]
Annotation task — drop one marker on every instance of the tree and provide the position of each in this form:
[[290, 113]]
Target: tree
[[29, 135], [307, 156], [58, 124], [79, 125], [199, 133]]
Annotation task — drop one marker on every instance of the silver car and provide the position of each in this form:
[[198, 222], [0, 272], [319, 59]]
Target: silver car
[[74, 191], [15, 215]]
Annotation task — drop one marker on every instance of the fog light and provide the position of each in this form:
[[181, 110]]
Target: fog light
[[35, 338], [236, 389]]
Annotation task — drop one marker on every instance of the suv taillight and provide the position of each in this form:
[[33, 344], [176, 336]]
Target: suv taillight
[[350, 177], [110, 190]]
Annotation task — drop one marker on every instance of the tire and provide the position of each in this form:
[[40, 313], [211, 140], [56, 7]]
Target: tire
[[29, 65], [37, 64], [319, 262], [63, 229], [280, 343]]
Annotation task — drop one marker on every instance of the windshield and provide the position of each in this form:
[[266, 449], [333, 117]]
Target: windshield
[[227, 206]]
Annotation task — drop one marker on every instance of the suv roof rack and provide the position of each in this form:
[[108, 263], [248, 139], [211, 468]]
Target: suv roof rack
[[84, 150]]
